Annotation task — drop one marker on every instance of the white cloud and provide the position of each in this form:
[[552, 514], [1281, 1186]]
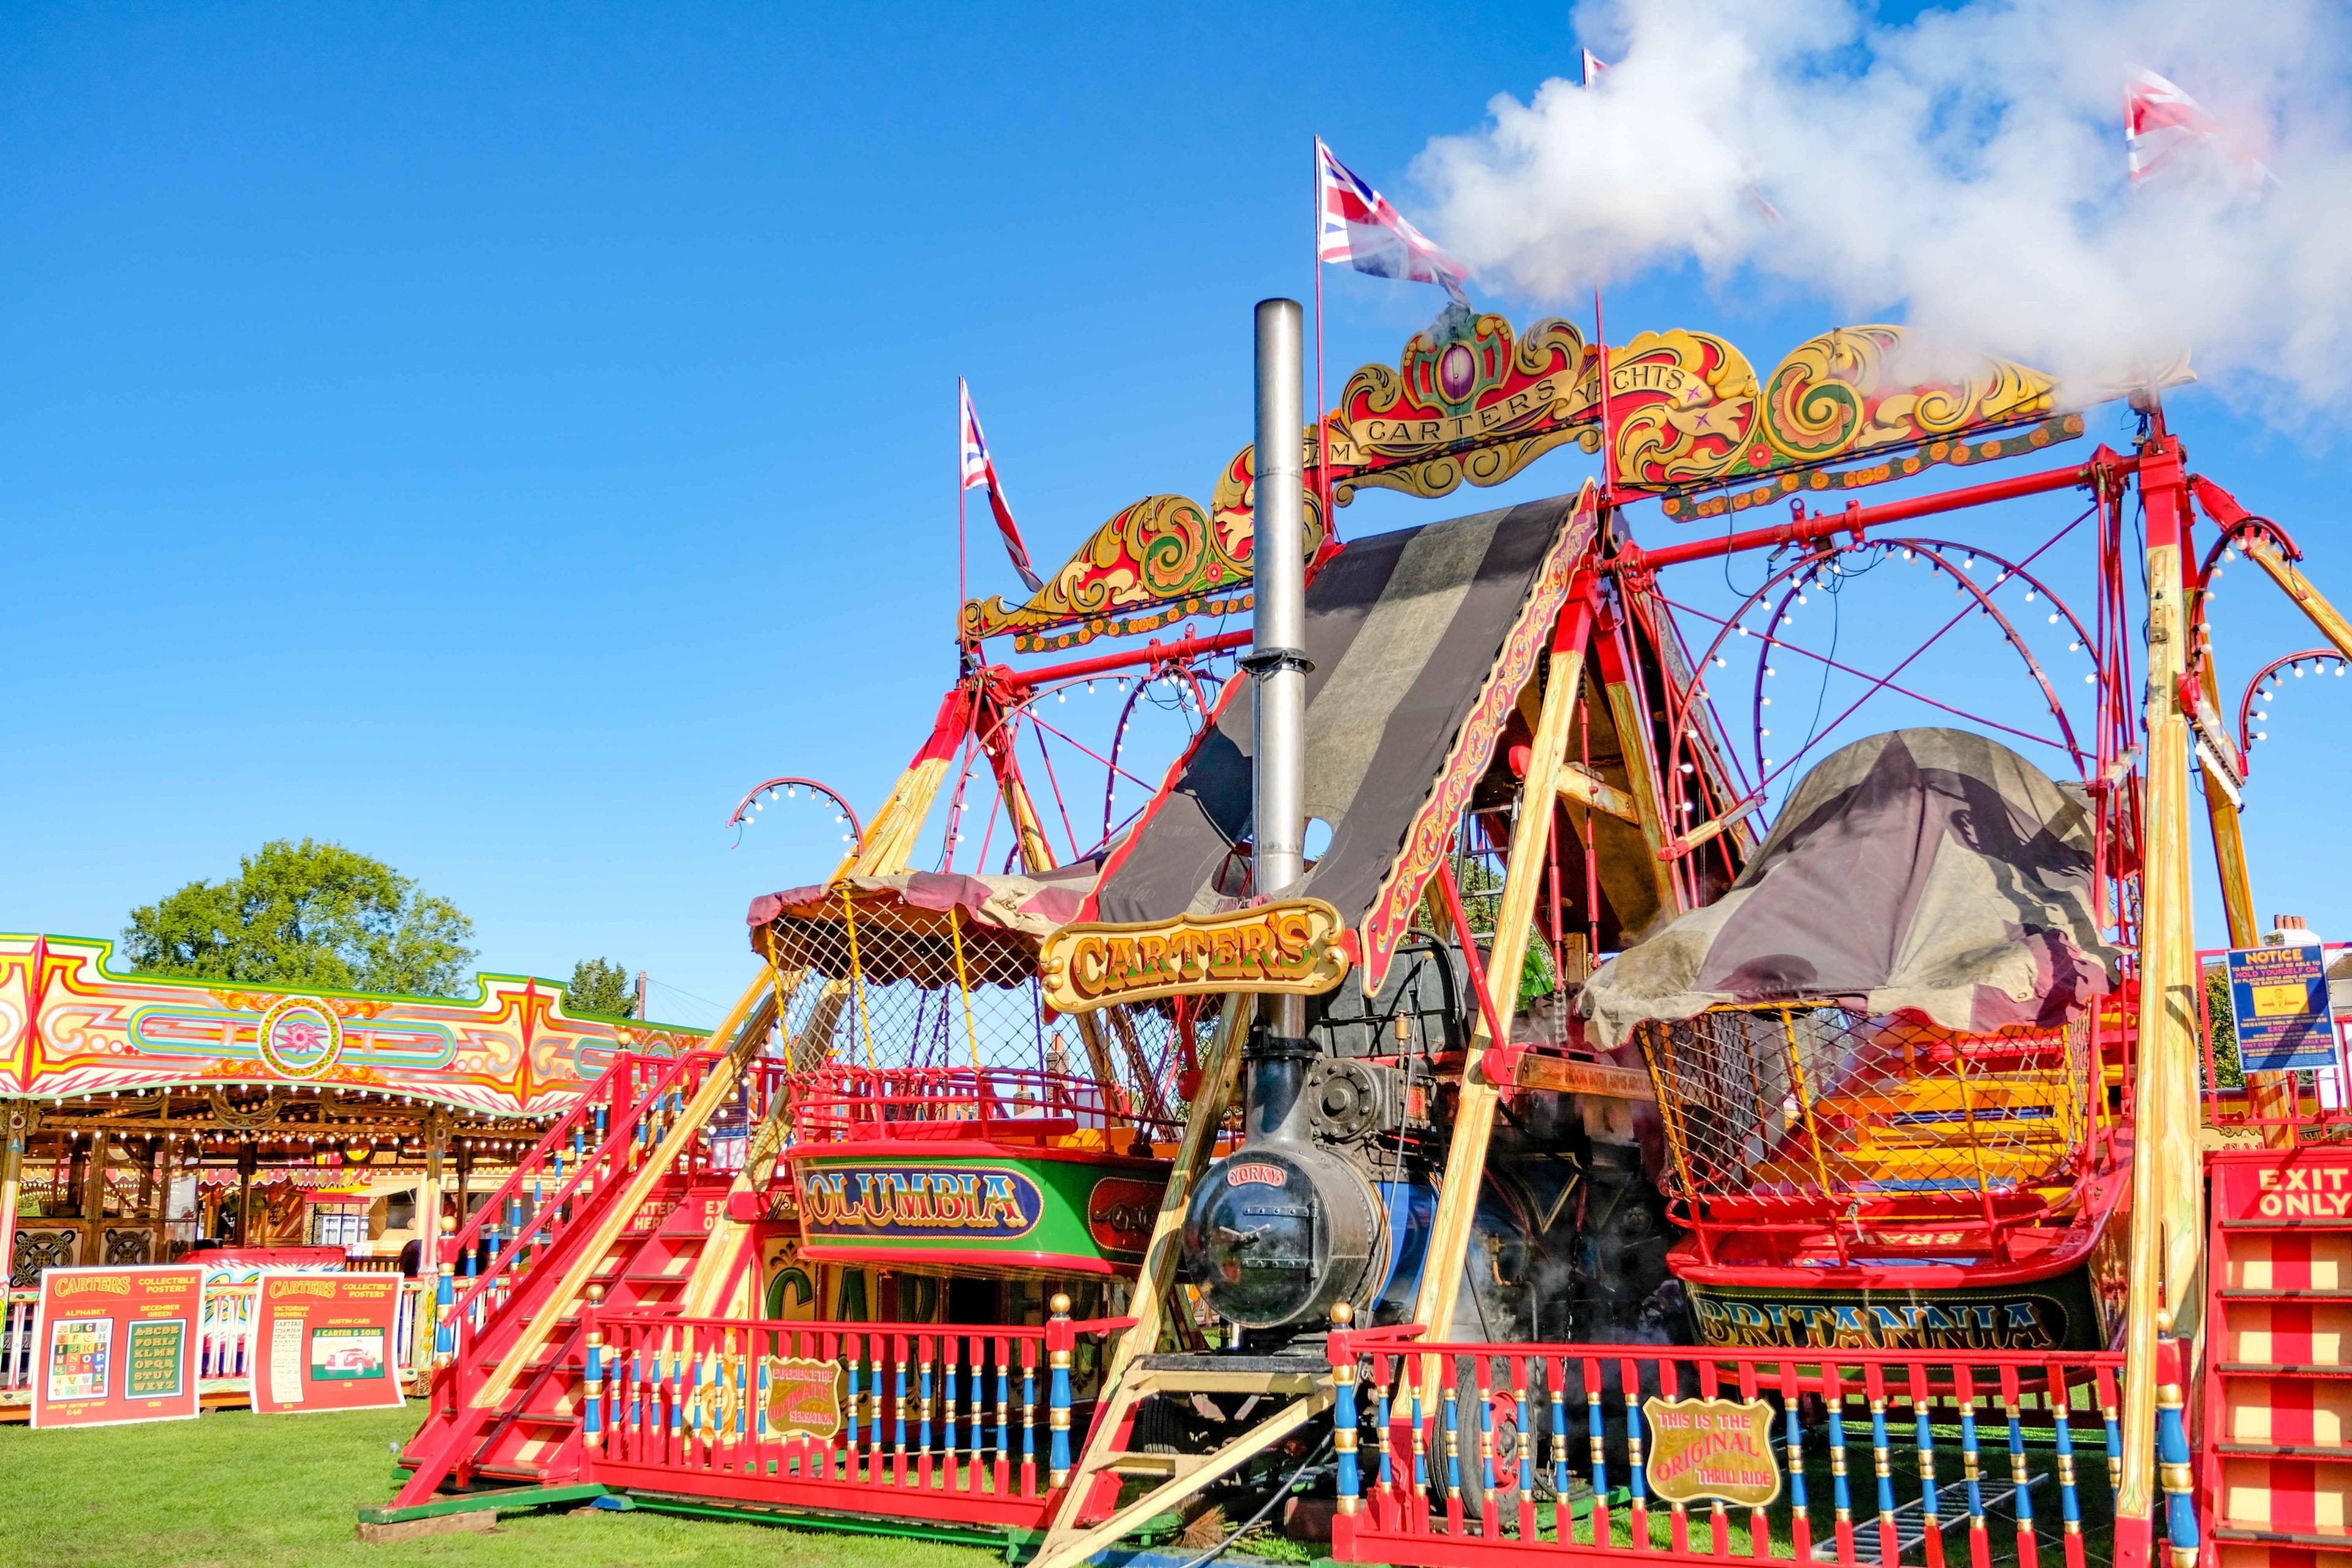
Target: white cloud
[[1963, 173]]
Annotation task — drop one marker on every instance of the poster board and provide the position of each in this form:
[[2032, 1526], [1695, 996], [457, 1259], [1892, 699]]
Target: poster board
[[117, 1345], [324, 1341], [2279, 1001]]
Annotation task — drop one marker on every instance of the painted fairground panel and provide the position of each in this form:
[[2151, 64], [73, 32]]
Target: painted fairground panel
[[1473, 399], [70, 1024]]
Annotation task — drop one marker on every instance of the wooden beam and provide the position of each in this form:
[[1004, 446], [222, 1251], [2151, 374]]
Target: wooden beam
[[1474, 1121], [2166, 1223], [2310, 600], [1579, 785], [1634, 740], [1157, 1274], [717, 1085], [1236, 1453]]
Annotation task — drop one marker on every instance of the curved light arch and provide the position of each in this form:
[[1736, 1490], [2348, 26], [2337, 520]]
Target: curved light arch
[[742, 816]]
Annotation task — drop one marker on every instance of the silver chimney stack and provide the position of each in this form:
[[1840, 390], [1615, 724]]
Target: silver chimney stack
[[1278, 658]]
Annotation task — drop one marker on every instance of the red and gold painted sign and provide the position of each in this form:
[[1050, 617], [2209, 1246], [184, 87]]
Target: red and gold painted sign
[[2306, 1185], [70, 1024], [1121, 1213], [804, 1396], [1471, 399], [1293, 946], [1702, 1448], [324, 1341], [117, 1345]]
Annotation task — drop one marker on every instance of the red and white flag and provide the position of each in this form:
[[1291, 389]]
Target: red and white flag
[[2163, 124], [1593, 66], [1360, 227], [978, 470]]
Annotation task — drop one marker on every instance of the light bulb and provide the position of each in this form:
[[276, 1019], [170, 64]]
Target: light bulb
[[1766, 701], [2053, 617]]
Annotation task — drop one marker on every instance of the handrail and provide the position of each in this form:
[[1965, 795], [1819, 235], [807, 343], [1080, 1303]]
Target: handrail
[[468, 1234], [545, 1217]]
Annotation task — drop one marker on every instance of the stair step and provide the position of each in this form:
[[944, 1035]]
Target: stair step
[[2283, 1451], [2257, 1293], [2339, 1225], [2285, 1369]]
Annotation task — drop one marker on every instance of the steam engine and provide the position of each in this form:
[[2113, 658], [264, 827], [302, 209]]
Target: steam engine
[[1331, 1194]]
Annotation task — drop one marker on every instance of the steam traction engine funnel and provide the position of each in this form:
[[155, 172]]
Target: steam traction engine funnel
[[1280, 1229]]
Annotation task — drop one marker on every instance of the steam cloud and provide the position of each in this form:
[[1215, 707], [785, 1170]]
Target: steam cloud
[[1962, 172]]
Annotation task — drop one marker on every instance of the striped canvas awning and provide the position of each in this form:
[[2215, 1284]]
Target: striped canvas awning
[[1422, 641]]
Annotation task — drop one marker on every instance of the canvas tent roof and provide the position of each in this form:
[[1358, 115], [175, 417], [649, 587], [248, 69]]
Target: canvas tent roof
[[1421, 641], [1930, 869]]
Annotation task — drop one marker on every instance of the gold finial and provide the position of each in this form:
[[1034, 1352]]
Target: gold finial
[[2163, 1319], [1342, 1314], [449, 1224], [595, 1295], [1060, 1305]]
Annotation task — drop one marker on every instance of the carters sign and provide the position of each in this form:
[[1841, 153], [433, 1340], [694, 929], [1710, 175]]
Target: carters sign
[[1298, 945], [851, 1202]]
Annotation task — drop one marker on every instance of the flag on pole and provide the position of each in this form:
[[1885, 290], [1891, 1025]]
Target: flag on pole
[[1361, 228], [2162, 123], [1593, 66], [978, 470]]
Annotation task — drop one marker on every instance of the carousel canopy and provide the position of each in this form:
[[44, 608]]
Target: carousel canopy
[[1930, 870], [1422, 641]]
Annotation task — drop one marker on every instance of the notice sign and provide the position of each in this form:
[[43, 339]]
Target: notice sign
[[117, 1345], [2278, 997], [324, 1341]]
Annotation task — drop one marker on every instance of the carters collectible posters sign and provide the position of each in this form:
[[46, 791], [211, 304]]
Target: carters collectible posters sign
[[324, 1341], [117, 1345]]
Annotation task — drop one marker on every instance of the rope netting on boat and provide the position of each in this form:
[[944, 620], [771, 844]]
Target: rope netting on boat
[[1795, 1105], [912, 997]]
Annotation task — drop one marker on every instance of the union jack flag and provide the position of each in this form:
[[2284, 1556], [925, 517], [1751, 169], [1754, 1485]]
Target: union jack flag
[[2162, 123], [980, 469], [1361, 228]]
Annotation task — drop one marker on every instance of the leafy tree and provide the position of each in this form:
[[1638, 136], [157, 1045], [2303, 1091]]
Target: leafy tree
[[601, 986], [307, 914]]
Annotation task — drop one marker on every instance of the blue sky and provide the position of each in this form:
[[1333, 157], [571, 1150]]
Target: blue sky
[[493, 437]]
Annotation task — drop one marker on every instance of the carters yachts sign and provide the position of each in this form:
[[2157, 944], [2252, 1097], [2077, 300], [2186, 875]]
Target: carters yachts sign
[[1295, 946]]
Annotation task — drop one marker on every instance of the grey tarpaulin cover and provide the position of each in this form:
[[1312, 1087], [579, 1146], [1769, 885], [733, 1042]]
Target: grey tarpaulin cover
[[1930, 869], [1422, 641]]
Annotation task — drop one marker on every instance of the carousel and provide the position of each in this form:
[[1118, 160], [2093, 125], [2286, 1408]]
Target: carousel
[[151, 1120]]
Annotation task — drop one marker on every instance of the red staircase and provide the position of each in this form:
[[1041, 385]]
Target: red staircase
[[2276, 1472], [560, 1196]]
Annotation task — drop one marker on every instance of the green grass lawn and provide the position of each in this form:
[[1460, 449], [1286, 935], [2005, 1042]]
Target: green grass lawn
[[230, 1490]]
